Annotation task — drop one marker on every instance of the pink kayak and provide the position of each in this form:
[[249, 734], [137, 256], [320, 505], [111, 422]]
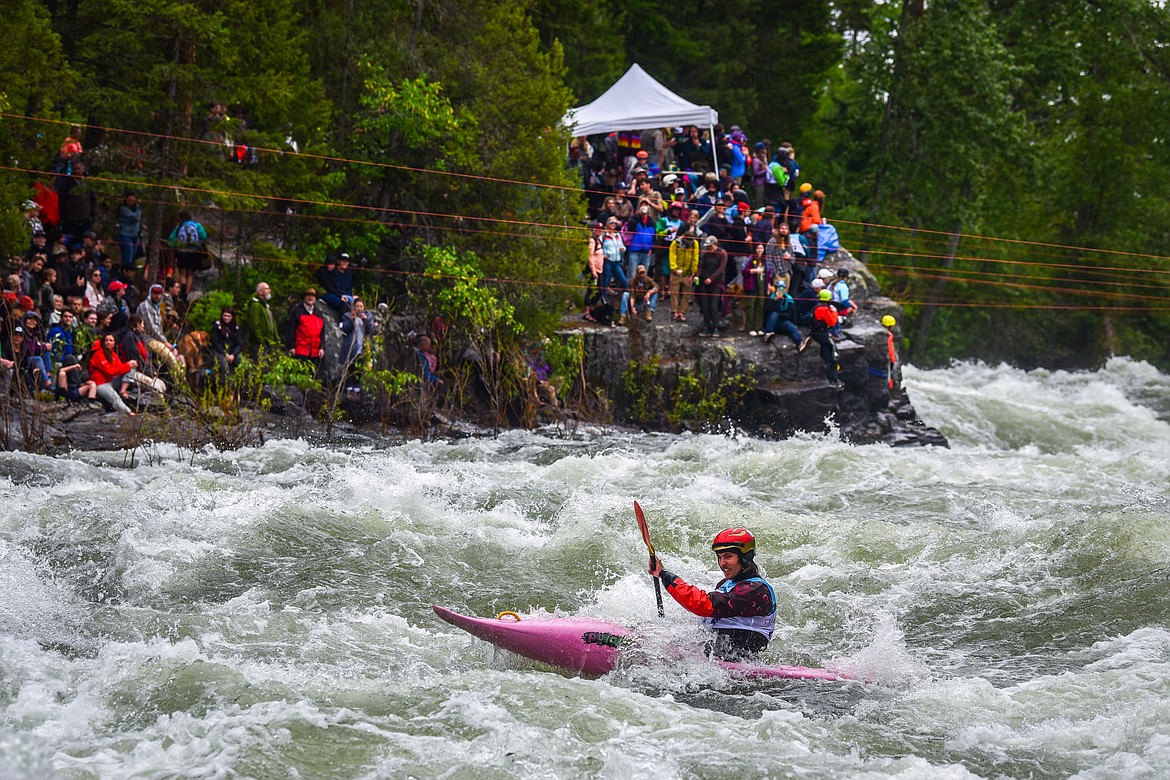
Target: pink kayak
[[592, 647]]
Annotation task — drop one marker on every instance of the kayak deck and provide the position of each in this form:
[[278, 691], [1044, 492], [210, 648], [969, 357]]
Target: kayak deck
[[592, 647]]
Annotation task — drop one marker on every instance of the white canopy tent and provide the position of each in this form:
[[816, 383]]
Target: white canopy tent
[[637, 102]]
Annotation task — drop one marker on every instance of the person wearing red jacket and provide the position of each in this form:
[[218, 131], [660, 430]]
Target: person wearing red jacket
[[823, 318], [741, 609], [106, 370], [308, 329]]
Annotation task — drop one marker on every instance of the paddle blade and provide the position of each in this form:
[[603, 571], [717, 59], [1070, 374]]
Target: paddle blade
[[638, 513], [643, 527]]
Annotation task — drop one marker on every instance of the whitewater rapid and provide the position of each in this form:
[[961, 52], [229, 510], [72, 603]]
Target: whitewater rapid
[[266, 613]]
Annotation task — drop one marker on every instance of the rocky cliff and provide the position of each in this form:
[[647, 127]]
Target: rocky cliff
[[788, 390]]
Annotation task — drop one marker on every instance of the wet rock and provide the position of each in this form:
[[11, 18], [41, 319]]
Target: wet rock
[[791, 392]]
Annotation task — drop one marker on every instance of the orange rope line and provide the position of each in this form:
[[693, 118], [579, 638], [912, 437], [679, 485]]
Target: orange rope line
[[330, 158], [1017, 285], [331, 204]]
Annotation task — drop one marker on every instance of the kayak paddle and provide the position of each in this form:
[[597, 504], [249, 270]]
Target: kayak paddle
[[650, 547]]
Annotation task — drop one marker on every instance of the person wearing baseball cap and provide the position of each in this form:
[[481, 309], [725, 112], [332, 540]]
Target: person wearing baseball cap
[[116, 304], [308, 328], [31, 355]]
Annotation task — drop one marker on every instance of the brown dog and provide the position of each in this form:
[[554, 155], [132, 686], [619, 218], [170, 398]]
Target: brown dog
[[191, 347]]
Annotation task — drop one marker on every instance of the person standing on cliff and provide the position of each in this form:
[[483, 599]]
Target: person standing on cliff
[[259, 322], [684, 264], [308, 330], [889, 323], [712, 265], [613, 247]]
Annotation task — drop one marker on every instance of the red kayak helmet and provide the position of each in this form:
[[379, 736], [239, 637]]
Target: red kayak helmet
[[739, 540]]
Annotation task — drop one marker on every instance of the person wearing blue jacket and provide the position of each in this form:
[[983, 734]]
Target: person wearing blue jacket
[[639, 235], [738, 161]]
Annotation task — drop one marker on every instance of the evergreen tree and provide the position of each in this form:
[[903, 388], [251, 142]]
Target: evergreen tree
[[33, 77]]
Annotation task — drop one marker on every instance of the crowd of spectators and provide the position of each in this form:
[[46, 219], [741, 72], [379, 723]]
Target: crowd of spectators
[[85, 325], [747, 241], [677, 217], [96, 339]]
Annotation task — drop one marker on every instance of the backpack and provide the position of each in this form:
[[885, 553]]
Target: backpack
[[188, 235], [780, 173]]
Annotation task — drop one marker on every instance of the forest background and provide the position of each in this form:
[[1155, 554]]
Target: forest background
[[1001, 166]]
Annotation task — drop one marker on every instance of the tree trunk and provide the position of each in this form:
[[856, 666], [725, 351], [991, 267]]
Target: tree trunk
[[155, 237], [910, 8], [1110, 336]]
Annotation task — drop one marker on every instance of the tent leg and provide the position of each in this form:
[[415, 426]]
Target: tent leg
[[714, 152]]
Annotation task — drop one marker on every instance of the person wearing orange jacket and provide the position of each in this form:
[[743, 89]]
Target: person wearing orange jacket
[[812, 216], [888, 322], [742, 608]]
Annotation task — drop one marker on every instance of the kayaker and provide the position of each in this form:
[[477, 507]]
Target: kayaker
[[742, 608]]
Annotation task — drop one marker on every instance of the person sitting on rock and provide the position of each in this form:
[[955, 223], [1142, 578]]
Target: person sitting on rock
[[806, 300], [780, 314], [115, 304], [133, 349], [110, 373], [60, 336], [73, 382], [642, 293], [25, 354], [336, 279], [150, 309]]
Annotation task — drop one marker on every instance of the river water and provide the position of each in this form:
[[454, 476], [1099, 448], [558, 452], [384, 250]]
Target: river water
[[266, 613]]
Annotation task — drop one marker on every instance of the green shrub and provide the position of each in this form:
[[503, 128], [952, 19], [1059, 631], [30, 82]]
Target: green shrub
[[205, 311]]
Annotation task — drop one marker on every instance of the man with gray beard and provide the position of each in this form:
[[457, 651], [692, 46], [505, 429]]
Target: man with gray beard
[[259, 324]]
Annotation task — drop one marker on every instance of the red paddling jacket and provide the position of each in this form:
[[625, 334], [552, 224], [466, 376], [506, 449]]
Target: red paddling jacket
[[746, 603]]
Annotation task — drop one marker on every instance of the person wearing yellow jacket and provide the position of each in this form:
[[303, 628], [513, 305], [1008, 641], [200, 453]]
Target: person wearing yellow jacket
[[684, 264]]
